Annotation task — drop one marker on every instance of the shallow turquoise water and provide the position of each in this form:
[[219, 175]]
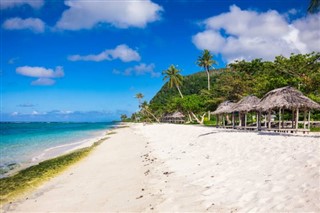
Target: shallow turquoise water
[[23, 143]]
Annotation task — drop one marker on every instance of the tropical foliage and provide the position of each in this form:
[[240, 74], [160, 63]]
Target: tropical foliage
[[190, 94], [240, 79], [314, 6], [172, 74]]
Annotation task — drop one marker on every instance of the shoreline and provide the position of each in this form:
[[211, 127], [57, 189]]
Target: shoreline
[[166, 167], [60, 150]]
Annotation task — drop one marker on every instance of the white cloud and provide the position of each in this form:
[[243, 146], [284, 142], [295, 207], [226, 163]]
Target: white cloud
[[67, 112], [122, 52], [4, 4], [245, 34], [141, 69], [44, 75], [43, 82], [15, 113], [40, 72], [34, 112], [308, 32], [121, 14], [34, 24]]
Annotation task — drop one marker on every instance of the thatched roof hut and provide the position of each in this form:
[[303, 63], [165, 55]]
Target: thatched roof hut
[[224, 107], [176, 117], [246, 104], [286, 98]]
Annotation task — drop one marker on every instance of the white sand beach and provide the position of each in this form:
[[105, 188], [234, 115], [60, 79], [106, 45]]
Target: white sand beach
[[166, 168]]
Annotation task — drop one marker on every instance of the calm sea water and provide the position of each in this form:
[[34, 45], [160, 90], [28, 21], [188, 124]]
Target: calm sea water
[[24, 144]]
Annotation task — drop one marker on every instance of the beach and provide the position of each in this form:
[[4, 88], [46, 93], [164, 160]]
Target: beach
[[166, 168], [25, 144]]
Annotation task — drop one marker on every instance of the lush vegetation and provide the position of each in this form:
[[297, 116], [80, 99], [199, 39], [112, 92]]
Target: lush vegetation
[[193, 96], [240, 79], [35, 175]]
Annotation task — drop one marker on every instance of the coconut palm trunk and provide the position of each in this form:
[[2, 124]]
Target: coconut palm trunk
[[150, 113], [178, 88], [206, 61], [208, 76]]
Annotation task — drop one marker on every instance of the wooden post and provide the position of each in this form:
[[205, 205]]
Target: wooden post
[[245, 120], [297, 118], [223, 120], [259, 121], [233, 120], [265, 120], [209, 117], [292, 119], [304, 118], [309, 119], [279, 118], [283, 119], [269, 119], [239, 119], [217, 120]]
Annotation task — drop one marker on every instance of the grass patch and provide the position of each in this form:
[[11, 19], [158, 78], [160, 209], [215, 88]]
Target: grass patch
[[210, 123], [33, 176], [119, 127], [111, 133], [315, 129]]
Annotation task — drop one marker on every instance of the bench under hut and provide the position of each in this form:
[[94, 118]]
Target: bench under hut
[[222, 111], [290, 99], [243, 107]]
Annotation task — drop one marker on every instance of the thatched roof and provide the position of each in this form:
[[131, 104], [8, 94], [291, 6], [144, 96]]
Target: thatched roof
[[246, 104], [224, 107], [174, 115], [286, 98], [178, 115]]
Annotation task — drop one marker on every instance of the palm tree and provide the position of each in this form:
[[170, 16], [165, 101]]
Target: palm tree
[[175, 79], [124, 117], [145, 108], [206, 61], [139, 96], [174, 76], [314, 6]]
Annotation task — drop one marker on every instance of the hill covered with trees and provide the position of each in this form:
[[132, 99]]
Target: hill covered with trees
[[238, 80]]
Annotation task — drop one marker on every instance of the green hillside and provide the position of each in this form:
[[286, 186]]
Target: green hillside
[[240, 79], [192, 84]]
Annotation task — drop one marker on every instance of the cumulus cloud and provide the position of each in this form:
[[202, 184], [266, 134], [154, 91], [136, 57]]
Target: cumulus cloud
[[40, 72], [122, 52], [141, 69], [4, 4], [44, 75], [34, 24], [244, 34], [121, 14]]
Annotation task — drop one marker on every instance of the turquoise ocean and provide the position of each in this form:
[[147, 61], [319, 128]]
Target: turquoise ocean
[[25, 144]]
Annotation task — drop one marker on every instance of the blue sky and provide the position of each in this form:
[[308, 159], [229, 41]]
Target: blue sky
[[85, 60]]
